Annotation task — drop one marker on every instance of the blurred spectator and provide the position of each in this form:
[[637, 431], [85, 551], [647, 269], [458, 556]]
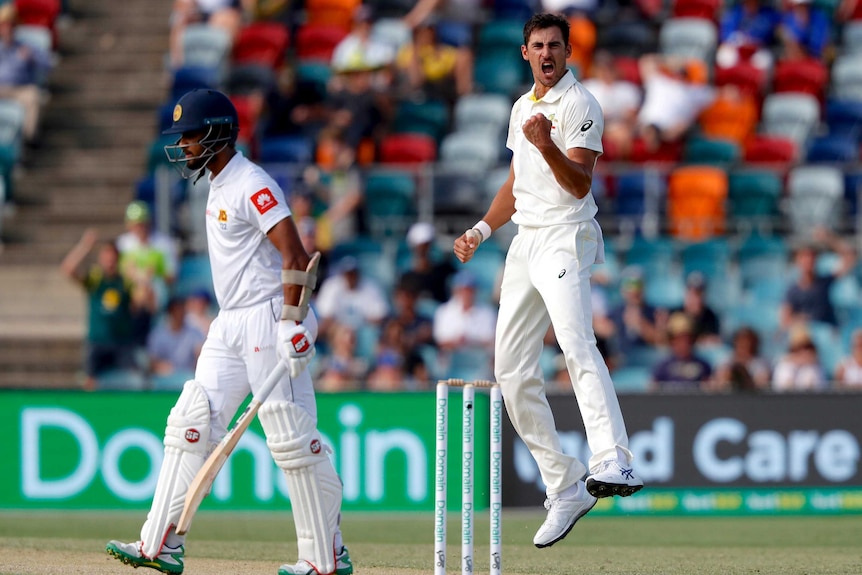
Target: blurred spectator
[[807, 299], [634, 320], [297, 107], [416, 328], [427, 68], [705, 322], [225, 14], [360, 50], [462, 321], [22, 68], [745, 370], [804, 31], [347, 297], [389, 359], [341, 369], [620, 101], [429, 271], [673, 99], [799, 369], [683, 370], [109, 343], [848, 374], [747, 33], [144, 250], [174, 344], [342, 191], [199, 313]]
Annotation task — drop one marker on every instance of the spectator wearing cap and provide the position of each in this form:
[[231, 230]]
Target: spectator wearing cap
[[634, 321], [807, 299], [430, 271], [799, 369], [746, 370], [174, 344], [462, 321], [360, 50], [348, 297], [22, 69], [427, 68], [704, 320], [146, 252], [682, 370]]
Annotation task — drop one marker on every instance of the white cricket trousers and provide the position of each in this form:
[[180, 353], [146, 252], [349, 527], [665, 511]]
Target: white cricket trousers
[[547, 281], [238, 355]]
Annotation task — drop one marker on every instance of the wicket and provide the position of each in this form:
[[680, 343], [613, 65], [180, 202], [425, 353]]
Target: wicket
[[467, 477]]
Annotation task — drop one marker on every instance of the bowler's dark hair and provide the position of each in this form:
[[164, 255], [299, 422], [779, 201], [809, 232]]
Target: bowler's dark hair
[[546, 20]]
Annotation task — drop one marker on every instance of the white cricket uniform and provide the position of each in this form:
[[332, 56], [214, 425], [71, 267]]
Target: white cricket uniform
[[547, 280], [244, 203]]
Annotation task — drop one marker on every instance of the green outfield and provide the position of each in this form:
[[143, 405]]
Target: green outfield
[[384, 544]]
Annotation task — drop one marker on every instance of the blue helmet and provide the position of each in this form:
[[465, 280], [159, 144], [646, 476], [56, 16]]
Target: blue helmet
[[209, 112]]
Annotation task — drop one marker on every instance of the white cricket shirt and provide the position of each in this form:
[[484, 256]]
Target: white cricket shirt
[[576, 122], [244, 203]]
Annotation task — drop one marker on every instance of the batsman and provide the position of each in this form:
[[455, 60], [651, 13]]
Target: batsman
[[263, 279]]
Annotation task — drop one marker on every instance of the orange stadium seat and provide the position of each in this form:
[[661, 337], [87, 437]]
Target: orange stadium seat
[[318, 41], [732, 116], [695, 204], [261, 43], [582, 37], [408, 149], [331, 12]]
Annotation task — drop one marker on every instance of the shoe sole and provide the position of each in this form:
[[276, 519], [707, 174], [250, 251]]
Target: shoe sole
[[125, 559], [600, 489], [566, 532]]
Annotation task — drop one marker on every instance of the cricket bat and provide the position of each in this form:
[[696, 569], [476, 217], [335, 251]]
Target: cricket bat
[[202, 482]]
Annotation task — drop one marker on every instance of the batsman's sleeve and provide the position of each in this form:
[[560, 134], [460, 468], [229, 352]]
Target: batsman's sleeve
[[265, 204], [584, 122]]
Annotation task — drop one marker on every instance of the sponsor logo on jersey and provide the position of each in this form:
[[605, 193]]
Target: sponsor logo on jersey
[[222, 216], [315, 446], [562, 273], [178, 112], [263, 200], [586, 125], [193, 435]]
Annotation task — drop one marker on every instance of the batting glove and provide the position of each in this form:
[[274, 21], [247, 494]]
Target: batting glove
[[296, 346]]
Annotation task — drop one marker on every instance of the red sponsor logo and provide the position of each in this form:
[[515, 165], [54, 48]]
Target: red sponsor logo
[[300, 343], [193, 435], [263, 200], [315, 446]]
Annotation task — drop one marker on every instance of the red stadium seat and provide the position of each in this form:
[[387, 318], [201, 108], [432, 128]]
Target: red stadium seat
[[809, 76], [248, 112], [667, 153], [261, 43], [747, 78], [760, 149], [337, 13], [628, 69], [318, 41], [39, 13], [408, 148], [706, 9]]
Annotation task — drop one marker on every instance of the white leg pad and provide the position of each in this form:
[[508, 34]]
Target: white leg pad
[[313, 484], [186, 448]]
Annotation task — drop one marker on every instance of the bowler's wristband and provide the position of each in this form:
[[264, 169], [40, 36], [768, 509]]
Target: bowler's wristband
[[483, 228]]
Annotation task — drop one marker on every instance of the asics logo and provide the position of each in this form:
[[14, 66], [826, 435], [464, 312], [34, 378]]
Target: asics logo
[[562, 273], [627, 473]]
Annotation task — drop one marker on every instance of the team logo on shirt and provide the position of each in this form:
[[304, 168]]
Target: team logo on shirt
[[222, 219], [263, 200], [586, 125]]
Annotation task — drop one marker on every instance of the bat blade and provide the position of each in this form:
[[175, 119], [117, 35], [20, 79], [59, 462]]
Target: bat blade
[[200, 485]]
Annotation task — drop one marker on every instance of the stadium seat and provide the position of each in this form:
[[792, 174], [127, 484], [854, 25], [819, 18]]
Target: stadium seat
[[790, 115], [42, 13], [690, 38], [833, 149], [316, 73], [761, 256], [392, 32], [654, 256], [408, 149], [497, 35], [847, 77], [851, 37], [248, 113], [263, 43], [712, 151], [773, 150], [468, 151], [705, 9], [629, 38], [808, 76], [628, 69], [194, 274], [748, 78], [695, 205], [205, 46], [371, 256], [35, 36], [754, 197], [711, 258], [469, 363], [665, 291], [638, 195], [631, 379], [815, 198], [248, 79], [519, 10], [317, 41], [423, 117], [286, 149], [667, 153], [844, 117], [187, 78], [730, 117], [852, 190], [582, 37], [338, 13], [390, 201], [502, 72], [456, 192], [482, 112]]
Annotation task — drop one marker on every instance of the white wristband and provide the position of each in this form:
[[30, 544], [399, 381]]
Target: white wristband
[[483, 228]]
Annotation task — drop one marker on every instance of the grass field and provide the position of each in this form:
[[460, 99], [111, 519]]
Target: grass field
[[386, 544]]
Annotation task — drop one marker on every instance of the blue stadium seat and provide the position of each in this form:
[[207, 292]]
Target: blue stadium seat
[[762, 257], [288, 149], [631, 379], [844, 117], [664, 291], [486, 265], [711, 258], [840, 148], [373, 260], [188, 78]]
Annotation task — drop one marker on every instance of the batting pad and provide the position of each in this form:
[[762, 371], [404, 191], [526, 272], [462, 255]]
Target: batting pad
[[313, 485], [186, 448]]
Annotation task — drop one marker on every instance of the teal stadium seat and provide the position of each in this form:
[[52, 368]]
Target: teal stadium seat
[[390, 201], [424, 117], [499, 35], [631, 379], [754, 197], [503, 73], [711, 151]]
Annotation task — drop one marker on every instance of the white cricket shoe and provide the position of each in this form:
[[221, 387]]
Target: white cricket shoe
[[343, 566], [563, 513], [170, 560], [610, 478]]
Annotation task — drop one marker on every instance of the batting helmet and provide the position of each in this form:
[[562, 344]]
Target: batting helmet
[[209, 112]]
